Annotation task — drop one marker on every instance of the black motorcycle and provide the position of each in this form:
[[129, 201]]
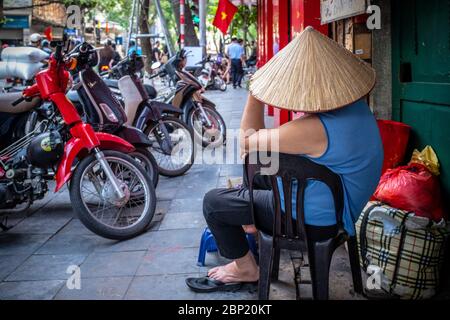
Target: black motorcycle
[[171, 139]]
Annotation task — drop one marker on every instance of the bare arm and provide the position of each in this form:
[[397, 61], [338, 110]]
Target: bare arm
[[301, 136]]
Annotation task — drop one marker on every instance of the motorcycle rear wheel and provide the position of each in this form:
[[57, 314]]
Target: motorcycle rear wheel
[[168, 164], [133, 213], [146, 159]]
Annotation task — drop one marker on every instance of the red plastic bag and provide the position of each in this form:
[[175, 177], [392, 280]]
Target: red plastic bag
[[412, 188], [395, 136]]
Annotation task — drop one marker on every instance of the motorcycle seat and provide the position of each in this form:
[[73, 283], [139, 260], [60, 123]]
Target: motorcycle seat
[[6, 100]]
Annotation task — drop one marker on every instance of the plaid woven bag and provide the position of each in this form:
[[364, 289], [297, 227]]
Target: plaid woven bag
[[408, 260]]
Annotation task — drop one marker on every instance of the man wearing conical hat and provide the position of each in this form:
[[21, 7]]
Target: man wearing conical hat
[[315, 75]]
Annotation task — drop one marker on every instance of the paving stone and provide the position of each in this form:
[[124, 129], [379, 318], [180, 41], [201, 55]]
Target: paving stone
[[163, 206], [181, 205], [111, 264], [41, 225], [184, 238], [76, 227], [71, 244], [110, 288], [197, 187], [17, 243], [172, 260], [139, 243], [166, 193], [162, 287], [183, 220], [30, 290], [46, 267], [9, 263]]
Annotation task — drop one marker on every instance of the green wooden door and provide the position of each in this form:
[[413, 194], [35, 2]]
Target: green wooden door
[[421, 75]]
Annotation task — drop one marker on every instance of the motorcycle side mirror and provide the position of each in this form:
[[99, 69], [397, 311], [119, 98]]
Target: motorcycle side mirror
[[156, 65]]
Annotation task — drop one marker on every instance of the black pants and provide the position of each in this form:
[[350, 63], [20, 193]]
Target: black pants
[[226, 210], [236, 71]]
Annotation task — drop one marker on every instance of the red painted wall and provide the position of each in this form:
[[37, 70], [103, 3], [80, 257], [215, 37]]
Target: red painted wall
[[281, 20]]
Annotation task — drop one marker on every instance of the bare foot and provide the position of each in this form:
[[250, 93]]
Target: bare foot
[[241, 270], [249, 228]]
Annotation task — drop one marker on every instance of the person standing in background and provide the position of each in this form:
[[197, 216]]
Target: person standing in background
[[165, 54], [46, 46], [35, 40], [243, 61], [134, 48], [116, 56], [235, 52], [106, 56], [156, 53]]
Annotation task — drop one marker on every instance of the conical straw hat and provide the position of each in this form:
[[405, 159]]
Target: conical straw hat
[[312, 73]]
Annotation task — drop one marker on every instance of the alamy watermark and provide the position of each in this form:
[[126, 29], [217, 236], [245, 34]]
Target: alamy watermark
[[74, 280], [374, 20]]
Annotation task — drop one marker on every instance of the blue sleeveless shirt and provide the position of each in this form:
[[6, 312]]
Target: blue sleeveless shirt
[[355, 153]]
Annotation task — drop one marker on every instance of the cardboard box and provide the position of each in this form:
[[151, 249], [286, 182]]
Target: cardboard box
[[363, 46]]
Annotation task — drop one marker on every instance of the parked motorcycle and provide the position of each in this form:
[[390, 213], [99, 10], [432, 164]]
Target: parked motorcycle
[[110, 192], [210, 79], [172, 140], [99, 107], [207, 73], [199, 112]]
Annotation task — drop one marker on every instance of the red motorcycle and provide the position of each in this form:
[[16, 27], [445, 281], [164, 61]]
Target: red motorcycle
[[111, 193]]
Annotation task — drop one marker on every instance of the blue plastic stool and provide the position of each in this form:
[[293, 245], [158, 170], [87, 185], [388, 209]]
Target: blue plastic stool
[[208, 244]]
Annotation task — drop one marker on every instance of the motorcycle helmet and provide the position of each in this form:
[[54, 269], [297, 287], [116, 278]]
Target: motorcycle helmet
[[35, 38]]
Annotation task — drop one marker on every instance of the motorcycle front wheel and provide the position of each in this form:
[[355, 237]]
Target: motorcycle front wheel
[[98, 206], [182, 155], [212, 135]]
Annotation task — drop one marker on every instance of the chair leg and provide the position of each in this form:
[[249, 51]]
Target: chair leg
[[354, 264], [265, 262], [320, 254], [275, 264]]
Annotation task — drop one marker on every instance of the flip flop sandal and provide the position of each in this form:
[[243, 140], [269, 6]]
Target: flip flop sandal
[[206, 284]]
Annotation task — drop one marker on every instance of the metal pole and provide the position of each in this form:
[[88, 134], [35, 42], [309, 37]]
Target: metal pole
[[130, 26], [202, 27], [164, 25], [182, 3]]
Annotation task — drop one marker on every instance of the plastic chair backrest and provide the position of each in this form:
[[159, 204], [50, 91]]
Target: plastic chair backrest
[[299, 169]]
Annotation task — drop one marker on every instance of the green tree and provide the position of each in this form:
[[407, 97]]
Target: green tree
[[244, 23]]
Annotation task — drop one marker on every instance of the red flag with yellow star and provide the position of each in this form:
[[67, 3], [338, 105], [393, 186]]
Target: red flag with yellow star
[[224, 15], [48, 33]]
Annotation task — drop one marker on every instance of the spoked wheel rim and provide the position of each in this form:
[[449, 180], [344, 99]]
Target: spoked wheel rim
[[182, 147], [209, 135], [100, 200]]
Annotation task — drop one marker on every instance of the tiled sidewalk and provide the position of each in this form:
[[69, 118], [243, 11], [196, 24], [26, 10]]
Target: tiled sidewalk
[[36, 253]]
